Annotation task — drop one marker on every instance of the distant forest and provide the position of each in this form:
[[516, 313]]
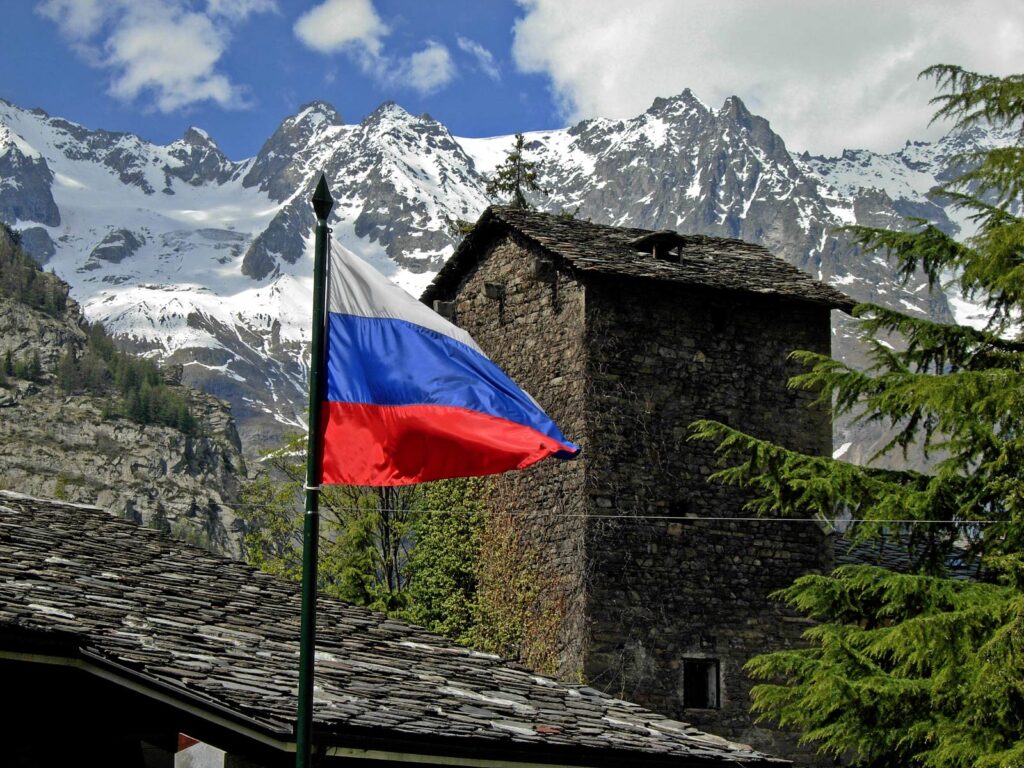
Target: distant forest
[[133, 385]]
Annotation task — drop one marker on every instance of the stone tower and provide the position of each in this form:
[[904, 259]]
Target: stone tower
[[625, 337]]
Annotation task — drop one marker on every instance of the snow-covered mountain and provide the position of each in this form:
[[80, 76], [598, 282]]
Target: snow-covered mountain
[[207, 262]]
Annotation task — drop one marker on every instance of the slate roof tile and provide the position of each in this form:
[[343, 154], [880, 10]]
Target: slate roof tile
[[713, 262], [190, 621], [960, 564]]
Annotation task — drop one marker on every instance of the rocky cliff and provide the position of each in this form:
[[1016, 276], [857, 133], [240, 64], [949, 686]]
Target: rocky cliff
[[77, 447]]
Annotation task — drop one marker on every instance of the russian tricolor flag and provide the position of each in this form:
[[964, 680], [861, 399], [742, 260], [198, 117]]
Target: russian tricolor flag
[[409, 397]]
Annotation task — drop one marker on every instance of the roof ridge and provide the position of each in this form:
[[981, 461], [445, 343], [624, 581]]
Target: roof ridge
[[593, 248]]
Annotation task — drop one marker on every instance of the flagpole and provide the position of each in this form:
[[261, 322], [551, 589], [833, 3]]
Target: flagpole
[[322, 204]]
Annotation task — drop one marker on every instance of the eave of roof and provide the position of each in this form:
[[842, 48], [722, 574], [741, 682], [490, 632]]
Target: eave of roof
[[711, 262], [219, 635]]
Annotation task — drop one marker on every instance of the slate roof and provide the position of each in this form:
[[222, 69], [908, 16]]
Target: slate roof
[[219, 633], [894, 556], [714, 262]]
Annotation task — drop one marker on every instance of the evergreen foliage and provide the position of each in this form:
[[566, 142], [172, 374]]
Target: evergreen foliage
[[918, 669], [458, 228], [99, 367], [21, 278], [102, 368], [410, 552], [27, 367], [515, 177], [443, 562]]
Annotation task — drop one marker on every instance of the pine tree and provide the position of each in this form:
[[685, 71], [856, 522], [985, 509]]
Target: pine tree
[[918, 669], [515, 177], [69, 372], [30, 368]]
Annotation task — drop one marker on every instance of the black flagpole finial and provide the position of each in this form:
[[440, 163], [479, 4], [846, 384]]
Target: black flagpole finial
[[322, 201]]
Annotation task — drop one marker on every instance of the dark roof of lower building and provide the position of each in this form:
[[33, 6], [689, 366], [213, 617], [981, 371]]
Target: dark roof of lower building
[[698, 260], [224, 636], [899, 556]]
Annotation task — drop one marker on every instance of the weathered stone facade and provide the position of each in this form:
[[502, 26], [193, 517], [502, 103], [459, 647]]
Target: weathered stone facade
[[536, 335], [660, 592], [651, 592]]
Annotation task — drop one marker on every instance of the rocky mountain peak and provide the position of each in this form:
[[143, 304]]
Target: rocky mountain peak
[[391, 118], [197, 137], [201, 161], [389, 110], [390, 123], [757, 132], [679, 104], [25, 181], [296, 131], [316, 113], [734, 108], [273, 168]]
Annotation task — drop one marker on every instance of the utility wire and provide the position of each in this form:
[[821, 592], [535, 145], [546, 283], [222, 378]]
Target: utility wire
[[623, 516]]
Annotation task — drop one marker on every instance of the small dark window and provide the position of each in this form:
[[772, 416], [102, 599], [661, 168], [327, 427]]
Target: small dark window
[[700, 684], [681, 508], [666, 253]]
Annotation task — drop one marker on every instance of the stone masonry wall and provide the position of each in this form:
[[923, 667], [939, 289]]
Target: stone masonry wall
[[535, 334], [624, 367], [661, 591]]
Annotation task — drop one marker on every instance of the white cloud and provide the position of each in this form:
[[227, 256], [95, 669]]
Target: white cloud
[[484, 58], [77, 19], [828, 74], [239, 10], [352, 27], [157, 50], [427, 70], [337, 25], [173, 57]]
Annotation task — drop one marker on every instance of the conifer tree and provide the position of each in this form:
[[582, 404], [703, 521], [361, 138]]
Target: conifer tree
[[515, 177], [31, 369], [918, 669], [69, 372]]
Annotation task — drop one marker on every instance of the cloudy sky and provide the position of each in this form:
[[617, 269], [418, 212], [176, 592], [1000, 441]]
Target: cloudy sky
[[827, 74]]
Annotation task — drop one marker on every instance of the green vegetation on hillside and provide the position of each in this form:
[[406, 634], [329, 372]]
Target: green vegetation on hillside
[[133, 385], [21, 277], [918, 670], [144, 397]]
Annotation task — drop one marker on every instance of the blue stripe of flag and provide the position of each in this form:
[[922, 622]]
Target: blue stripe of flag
[[382, 361]]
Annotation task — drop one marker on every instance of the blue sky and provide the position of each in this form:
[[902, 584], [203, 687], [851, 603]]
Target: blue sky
[[828, 74]]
